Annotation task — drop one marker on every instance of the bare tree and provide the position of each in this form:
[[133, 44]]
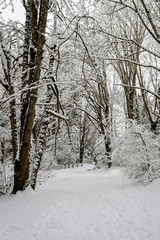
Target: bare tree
[[130, 51]]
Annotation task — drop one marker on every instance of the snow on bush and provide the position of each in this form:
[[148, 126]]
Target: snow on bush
[[6, 165], [138, 151]]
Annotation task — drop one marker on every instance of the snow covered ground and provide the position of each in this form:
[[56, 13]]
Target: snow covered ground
[[83, 205]]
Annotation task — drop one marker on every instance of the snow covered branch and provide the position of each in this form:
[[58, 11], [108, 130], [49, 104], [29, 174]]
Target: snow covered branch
[[58, 115], [130, 61], [147, 90]]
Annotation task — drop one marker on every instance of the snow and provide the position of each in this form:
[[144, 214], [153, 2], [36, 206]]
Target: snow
[[83, 204], [58, 115]]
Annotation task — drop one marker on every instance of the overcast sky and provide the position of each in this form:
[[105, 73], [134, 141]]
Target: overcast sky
[[18, 13]]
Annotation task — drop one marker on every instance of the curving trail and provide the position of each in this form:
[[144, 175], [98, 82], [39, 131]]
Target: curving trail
[[79, 204]]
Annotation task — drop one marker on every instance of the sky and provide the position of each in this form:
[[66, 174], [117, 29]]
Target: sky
[[16, 15]]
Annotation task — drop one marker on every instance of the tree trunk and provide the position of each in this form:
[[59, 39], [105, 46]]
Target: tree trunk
[[21, 174], [82, 140], [41, 139], [104, 101], [50, 91]]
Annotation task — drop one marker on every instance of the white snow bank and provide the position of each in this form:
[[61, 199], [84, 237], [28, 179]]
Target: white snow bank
[[83, 205]]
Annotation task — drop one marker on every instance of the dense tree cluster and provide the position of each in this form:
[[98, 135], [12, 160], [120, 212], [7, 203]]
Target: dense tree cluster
[[79, 81]]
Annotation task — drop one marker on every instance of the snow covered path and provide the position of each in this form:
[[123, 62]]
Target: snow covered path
[[83, 205]]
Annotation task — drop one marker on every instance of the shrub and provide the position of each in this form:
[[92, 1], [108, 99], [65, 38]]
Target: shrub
[[138, 151]]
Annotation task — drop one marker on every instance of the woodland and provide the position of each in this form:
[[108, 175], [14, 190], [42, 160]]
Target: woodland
[[79, 82]]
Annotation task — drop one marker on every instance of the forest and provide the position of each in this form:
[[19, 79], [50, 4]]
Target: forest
[[79, 82]]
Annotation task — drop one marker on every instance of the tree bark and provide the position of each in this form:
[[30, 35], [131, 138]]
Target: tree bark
[[41, 139], [21, 174]]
